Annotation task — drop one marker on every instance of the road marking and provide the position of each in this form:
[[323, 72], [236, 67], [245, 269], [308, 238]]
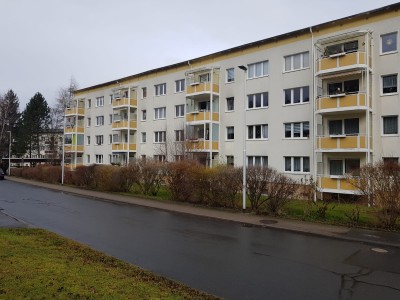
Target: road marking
[[379, 250]]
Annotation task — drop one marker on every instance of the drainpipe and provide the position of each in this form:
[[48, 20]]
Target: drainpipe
[[314, 157], [211, 115]]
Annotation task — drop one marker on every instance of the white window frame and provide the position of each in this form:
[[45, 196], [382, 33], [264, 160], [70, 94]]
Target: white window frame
[[292, 96], [159, 137], [292, 165], [143, 139], [263, 126], [100, 101], [160, 113], [227, 106], [99, 159], [160, 89], [263, 160], [343, 162], [99, 120], [382, 126], [179, 86], [227, 133], [254, 100], [88, 140], [110, 116], [144, 92], [89, 122], [292, 125], [99, 140], [179, 135], [230, 75], [89, 103], [396, 42], [180, 111], [88, 158], [144, 115], [264, 69], [397, 84], [292, 56]]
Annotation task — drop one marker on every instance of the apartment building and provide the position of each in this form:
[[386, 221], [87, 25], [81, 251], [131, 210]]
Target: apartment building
[[320, 101]]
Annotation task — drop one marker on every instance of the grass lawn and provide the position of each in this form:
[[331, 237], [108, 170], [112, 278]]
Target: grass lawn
[[37, 264]]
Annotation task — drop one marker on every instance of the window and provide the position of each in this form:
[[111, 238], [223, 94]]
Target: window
[[347, 127], [89, 103], [297, 95], [111, 98], [144, 137], [179, 111], [88, 140], [115, 138], [230, 133], [390, 160], [179, 135], [89, 122], [390, 125], [339, 167], [258, 69], [230, 160], [297, 130], [110, 116], [159, 113], [230, 75], [88, 158], [389, 43], [160, 89], [347, 47], [257, 100], [144, 115], [348, 87], [204, 77], [99, 120], [389, 84], [110, 139], [160, 158], [179, 157], [179, 85], [296, 61], [159, 136], [260, 161], [99, 101], [297, 164], [99, 158], [257, 132], [99, 140], [144, 92], [230, 104]]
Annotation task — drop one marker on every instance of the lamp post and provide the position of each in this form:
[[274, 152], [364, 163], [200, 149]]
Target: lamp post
[[9, 154], [244, 69]]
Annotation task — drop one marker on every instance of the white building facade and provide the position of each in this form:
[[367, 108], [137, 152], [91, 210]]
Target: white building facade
[[321, 101]]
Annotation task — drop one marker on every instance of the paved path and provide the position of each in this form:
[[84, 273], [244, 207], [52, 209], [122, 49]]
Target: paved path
[[382, 238]]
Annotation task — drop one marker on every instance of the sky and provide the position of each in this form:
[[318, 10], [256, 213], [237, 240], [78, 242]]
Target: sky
[[45, 43]]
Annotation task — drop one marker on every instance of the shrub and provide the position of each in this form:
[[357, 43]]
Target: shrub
[[257, 180], [84, 176], [179, 179], [103, 177], [225, 183], [150, 175], [125, 178], [279, 191]]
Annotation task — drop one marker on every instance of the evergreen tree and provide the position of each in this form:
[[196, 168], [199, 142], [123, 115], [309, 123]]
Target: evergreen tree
[[9, 118]]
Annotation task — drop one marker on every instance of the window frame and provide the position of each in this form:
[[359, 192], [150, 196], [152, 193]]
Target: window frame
[[99, 138], [292, 96], [144, 115], [230, 136], [397, 85], [180, 111], [100, 101], [99, 159], [98, 118], [159, 137], [292, 56], [254, 98], [252, 68], [230, 77], [383, 125], [343, 165], [160, 113], [179, 86], [254, 132], [292, 131], [381, 37], [233, 104], [144, 92], [179, 135], [292, 164], [263, 160], [160, 89], [143, 138]]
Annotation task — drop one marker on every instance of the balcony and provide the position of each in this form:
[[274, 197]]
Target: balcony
[[124, 102], [342, 143], [116, 147], [342, 102], [73, 148], [80, 111], [124, 124], [74, 129], [337, 184], [201, 116], [341, 62], [201, 145], [201, 88]]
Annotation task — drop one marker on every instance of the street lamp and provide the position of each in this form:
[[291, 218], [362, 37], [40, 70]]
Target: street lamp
[[244, 69], [9, 154]]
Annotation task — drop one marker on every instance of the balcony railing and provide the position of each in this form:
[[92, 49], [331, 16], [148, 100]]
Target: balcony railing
[[201, 145], [74, 111], [342, 143], [337, 183], [73, 148], [124, 124], [199, 116], [74, 129], [202, 87], [124, 102], [341, 61], [342, 102], [123, 147]]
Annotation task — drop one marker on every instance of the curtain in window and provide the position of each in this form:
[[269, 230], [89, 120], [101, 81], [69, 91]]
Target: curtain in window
[[257, 161], [306, 94], [389, 84], [288, 96], [296, 129], [258, 69], [288, 63], [351, 126], [288, 130], [336, 167], [265, 68], [390, 125], [306, 59], [250, 132], [265, 99], [296, 164], [258, 131], [288, 164], [306, 129], [258, 100], [296, 95], [297, 61], [250, 161], [251, 101], [264, 131]]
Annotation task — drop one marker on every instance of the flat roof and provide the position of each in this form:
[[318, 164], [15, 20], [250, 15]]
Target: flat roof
[[381, 10]]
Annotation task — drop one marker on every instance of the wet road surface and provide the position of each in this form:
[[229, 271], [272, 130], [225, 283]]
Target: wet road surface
[[222, 258]]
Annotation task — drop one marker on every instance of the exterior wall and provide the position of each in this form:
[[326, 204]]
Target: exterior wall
[[276, 147]]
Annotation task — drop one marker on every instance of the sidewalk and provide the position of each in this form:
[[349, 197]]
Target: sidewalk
[[375, 237]]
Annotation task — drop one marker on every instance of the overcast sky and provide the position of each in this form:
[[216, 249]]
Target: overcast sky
[[45, 42]]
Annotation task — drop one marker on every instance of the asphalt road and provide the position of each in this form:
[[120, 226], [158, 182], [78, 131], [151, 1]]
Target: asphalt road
[[222, 258]]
